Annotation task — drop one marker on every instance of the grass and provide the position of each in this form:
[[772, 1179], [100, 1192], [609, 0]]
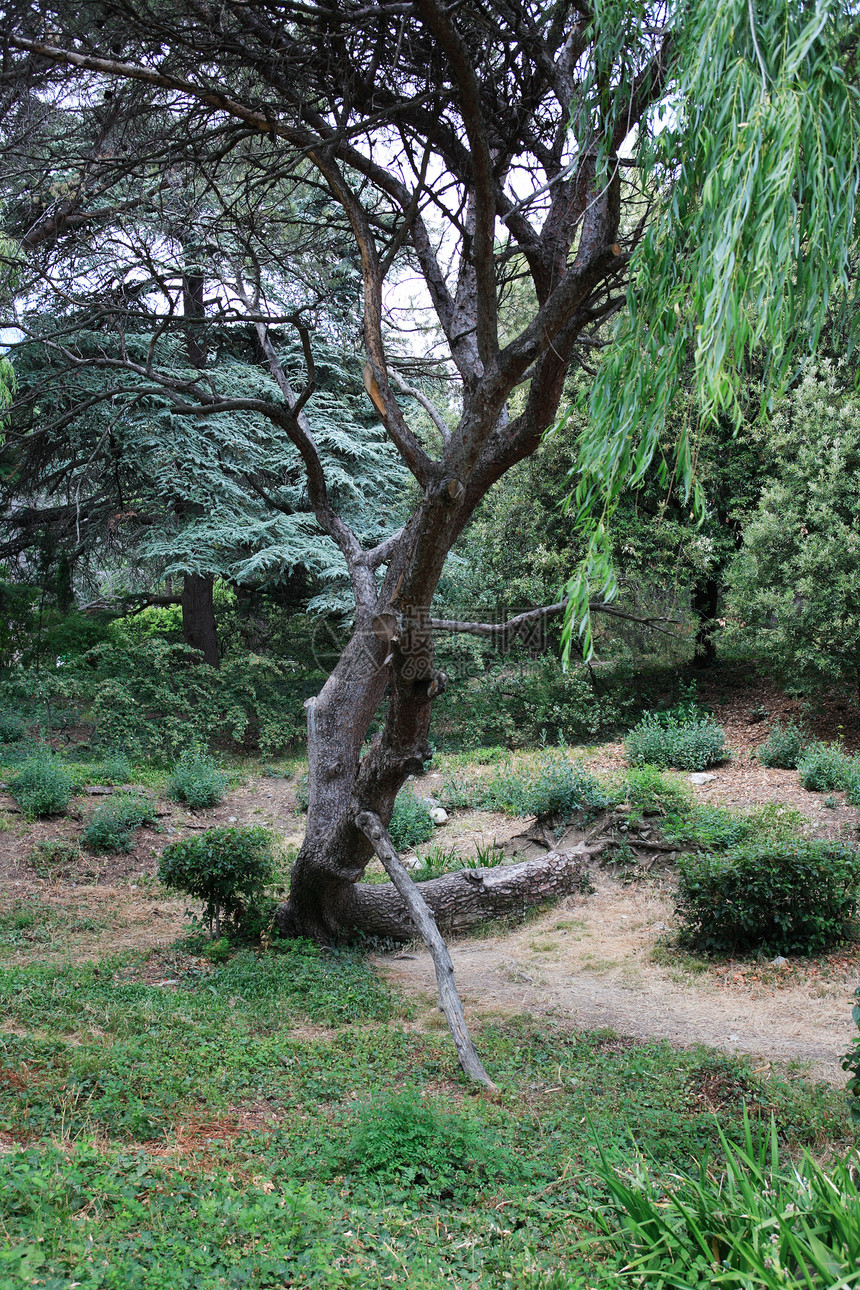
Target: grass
[[272, 1117], [279, 1119]]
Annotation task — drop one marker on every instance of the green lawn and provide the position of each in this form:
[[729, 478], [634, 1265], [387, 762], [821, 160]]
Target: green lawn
[[276, 1121]]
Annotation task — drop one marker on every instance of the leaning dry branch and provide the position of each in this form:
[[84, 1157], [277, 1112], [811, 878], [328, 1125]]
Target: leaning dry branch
[[449, 1000]]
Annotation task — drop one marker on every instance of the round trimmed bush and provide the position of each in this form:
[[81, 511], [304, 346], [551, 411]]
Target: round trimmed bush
[[226, 868], [774, 898]]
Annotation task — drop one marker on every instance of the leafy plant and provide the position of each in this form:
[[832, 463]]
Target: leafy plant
[[410, 821], [775, 898], [823, 767], [405, 1137], [51, 853], [783, 746], [196, 780], [555, 785], [664, 740], [226, 868], [12, 728], [746, 1221], [851, 1063], [437, 861], [650, 793], [112, 824], [43, 785], [115, 768]]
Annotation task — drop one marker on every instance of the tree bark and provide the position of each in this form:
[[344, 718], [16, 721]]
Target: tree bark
[[705, 603], [199, 629], [467, 899]]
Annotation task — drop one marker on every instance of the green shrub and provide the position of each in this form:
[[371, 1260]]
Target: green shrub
[[115, 768], [402, 1137], [851, 1063], [111, 826], [823, 767], [196, 780], [680, 743], [650, 793], [557, 785], [745, 1222], [51, 853], [515, 704], [776, 898], [410, 822], [226, 868], [783, 746], [43, 785], [302, 798], [12, 728]]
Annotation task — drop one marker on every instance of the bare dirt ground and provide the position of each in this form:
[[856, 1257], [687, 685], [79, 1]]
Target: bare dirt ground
[[596, 961], [602, 960]]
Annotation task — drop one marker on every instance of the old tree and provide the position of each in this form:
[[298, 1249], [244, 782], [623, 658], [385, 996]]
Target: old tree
[[615, 160]]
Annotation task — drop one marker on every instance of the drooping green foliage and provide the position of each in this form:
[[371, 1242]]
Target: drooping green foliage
[[742, 1219], [751, 159]]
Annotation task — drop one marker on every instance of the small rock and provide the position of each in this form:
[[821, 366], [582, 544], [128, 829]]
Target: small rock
[[779, 961], [660, 927], [700, 777], [439, 816], [733, 1039], [231, 819]]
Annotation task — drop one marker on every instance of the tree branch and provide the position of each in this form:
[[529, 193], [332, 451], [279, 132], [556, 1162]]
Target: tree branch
[[449, 1000]]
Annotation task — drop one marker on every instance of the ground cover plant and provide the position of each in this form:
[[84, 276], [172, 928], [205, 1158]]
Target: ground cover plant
[[240, 1127]]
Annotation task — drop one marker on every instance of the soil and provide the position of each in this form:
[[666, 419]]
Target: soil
[[603, 960], [596, 961]]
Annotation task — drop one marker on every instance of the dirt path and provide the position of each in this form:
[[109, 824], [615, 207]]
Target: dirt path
[[591, 962]]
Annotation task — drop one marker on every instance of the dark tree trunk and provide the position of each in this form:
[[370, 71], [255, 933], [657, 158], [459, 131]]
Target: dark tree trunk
[[705, 602], [199, 628]]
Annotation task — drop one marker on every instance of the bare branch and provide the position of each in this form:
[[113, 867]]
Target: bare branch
[[449, 1000]]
